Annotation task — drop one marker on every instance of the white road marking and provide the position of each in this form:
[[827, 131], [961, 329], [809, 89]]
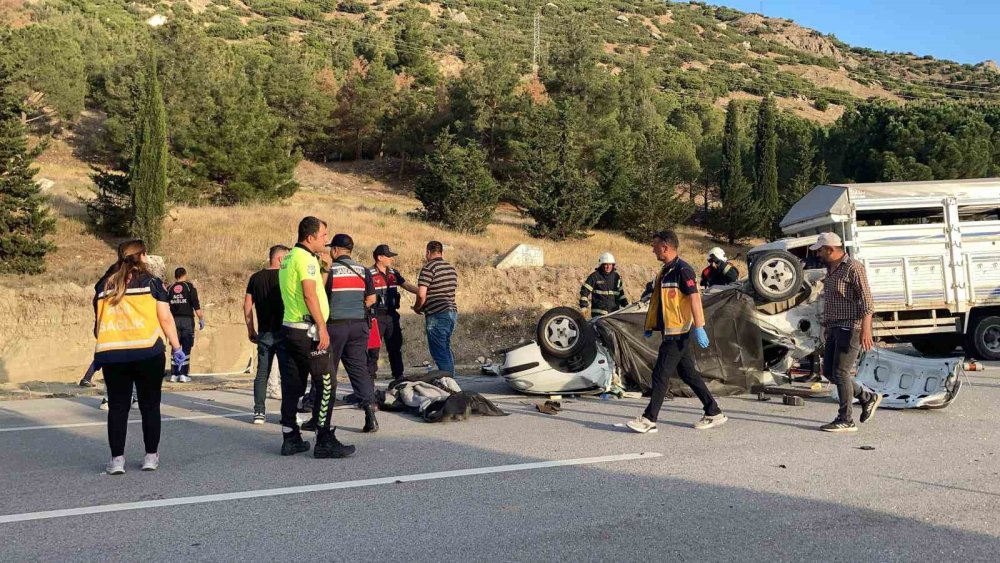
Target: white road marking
[[99, 509], [133, 421], [217, 407]]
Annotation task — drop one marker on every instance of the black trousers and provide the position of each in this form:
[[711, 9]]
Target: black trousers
[[843, 345], [675, 355], [305, 360], [349, 344], [147, 377], [392, 339], [185, 333]]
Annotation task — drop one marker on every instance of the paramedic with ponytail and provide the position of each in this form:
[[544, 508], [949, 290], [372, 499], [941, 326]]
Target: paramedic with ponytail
[[132, 320]]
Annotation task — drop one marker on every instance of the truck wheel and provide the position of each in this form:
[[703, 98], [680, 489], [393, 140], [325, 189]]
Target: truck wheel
[[776, 275], [986, 338], [940, 345], [563, 333]]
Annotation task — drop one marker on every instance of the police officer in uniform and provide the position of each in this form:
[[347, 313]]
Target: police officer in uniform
[[306, 309], [387, 282], [719, 271], [184, 306], [351, 292]]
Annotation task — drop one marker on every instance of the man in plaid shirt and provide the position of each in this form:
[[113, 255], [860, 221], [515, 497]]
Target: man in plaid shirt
[[847, 316]]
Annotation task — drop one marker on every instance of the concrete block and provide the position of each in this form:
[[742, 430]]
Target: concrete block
[[522, 256]]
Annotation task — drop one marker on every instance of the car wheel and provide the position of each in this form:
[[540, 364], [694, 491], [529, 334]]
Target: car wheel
[[986, 338], [776, 275], [939, 345], [563, 333]]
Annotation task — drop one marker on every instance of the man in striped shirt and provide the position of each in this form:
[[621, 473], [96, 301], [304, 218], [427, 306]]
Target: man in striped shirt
[[436, 288]]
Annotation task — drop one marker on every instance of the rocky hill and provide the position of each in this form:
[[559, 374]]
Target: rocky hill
[[702, 51]]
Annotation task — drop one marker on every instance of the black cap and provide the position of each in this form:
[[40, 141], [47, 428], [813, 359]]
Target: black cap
[[383, 250], [340, 240]]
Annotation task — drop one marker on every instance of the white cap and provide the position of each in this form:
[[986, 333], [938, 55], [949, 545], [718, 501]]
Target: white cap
[[718, 253], [606, 258], [827, 239]]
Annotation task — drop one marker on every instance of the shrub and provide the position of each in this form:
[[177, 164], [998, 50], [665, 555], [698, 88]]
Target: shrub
[[458, 189], [352, 7]]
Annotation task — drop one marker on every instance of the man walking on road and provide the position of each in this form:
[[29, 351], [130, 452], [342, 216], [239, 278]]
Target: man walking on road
[[675, 310], [306, 310], [351, 292], [387, 282], [184, 306], [436, 289], [603, 291], [847, 317], [264, 295]]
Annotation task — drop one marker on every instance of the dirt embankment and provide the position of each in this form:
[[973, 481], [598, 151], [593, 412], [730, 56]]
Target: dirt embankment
[[46, 321]]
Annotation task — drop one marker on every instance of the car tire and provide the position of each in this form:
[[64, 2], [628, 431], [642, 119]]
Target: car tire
[[936, 346], [985, 338], [776, 275], [563, 333]]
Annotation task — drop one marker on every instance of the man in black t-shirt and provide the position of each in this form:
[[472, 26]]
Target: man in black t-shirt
[[264, 295], [184, 306]]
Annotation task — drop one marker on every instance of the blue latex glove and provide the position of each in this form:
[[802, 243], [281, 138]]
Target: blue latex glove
[[648, 334], [701, 337], [178, 357], [201, 324]]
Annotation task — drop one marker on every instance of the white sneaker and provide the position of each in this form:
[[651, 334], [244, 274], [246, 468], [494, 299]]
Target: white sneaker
[[185, 379], [258, 418], [151, 462], [642, 425], [116, 466], [707, 422], [104, 404], [173, 379]]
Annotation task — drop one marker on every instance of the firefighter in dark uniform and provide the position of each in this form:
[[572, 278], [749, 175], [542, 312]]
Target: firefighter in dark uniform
[[719, 271], [184, 306], [351, 293], [603, 292], [387, 281]]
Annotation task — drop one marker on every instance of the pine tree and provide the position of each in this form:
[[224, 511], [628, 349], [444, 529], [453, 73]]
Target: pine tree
[[458, 189], [24, 217], [149, 169], [766, 160], [731, 172]]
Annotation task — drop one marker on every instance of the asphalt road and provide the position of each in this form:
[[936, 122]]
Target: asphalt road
[[767, 486]]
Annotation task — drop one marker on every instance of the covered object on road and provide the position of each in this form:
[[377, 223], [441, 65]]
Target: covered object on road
[[732, 364]]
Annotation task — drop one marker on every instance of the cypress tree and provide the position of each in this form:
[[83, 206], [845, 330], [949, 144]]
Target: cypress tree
[[24, 217], [149, 169], [766, 159], [741, 215], [732, 155]]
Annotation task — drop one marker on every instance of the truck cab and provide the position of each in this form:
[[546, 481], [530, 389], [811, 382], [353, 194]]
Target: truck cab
[[931, 251]]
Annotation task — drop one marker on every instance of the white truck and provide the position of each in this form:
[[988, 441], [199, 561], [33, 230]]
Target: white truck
[[931, 250]]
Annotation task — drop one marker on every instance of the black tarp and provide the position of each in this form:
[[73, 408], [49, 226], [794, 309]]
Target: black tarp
[[732, 364]]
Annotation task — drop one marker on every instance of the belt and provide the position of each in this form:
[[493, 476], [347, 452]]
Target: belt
[[300, 326]]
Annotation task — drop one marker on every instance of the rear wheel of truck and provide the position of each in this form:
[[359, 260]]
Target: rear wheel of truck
[[776, 275], [985, 338], [936, 345]]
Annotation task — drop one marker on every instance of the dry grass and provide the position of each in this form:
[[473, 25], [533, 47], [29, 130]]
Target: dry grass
[[221, 247]]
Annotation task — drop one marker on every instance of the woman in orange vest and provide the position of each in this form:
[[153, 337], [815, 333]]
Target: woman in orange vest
[[132, 319]]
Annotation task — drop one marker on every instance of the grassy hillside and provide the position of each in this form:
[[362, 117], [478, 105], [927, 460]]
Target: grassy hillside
[[45, 320]]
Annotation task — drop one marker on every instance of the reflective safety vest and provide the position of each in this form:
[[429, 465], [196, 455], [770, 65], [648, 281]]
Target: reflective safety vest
[[670, 303], [130, 330]]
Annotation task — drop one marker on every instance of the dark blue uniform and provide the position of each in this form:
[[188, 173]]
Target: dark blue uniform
[[386, 311], [183, 304]]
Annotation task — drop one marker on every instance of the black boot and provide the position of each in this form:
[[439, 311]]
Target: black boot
[[371, 423], [328, 446], [293, 444]]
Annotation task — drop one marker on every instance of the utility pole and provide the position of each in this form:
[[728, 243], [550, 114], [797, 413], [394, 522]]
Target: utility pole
[[536, 36]]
